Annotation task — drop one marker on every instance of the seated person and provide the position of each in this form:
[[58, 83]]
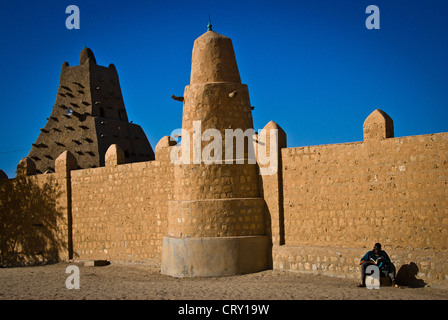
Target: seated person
[[379, 258]]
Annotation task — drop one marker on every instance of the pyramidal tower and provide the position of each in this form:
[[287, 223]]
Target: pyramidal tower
[[88, 116], [216, 221]]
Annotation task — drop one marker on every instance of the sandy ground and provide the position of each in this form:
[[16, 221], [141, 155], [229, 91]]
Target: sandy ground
[[138, 282]]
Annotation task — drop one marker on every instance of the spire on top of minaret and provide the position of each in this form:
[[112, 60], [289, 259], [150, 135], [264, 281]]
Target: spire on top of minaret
[[213, 60], [86, 55], [209, 26]]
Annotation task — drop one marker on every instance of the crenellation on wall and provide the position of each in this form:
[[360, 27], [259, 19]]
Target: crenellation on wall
[[3, 175], [65, 162], [26, 167], [378, 125], [272, 184], [114, 156]]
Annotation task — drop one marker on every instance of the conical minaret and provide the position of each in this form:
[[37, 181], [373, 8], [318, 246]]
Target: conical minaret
[[88, 116], [216, 224]]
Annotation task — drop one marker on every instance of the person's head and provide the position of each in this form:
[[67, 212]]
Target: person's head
[[377, 248]]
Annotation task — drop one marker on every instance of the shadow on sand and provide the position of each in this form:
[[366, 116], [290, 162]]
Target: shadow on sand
[[407, 276]]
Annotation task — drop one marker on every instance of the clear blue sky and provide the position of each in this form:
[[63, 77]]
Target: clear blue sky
[[311, 66]]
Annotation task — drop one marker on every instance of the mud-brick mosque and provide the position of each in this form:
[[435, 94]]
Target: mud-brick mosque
[[116, 198]]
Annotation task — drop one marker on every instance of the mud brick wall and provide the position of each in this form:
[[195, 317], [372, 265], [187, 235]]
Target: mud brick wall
[[350, 196], [325, 205], [34, 211], [119, 211]]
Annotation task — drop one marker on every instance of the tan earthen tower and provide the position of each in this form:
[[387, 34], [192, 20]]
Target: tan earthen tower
[[88, 116], [216, 222]]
